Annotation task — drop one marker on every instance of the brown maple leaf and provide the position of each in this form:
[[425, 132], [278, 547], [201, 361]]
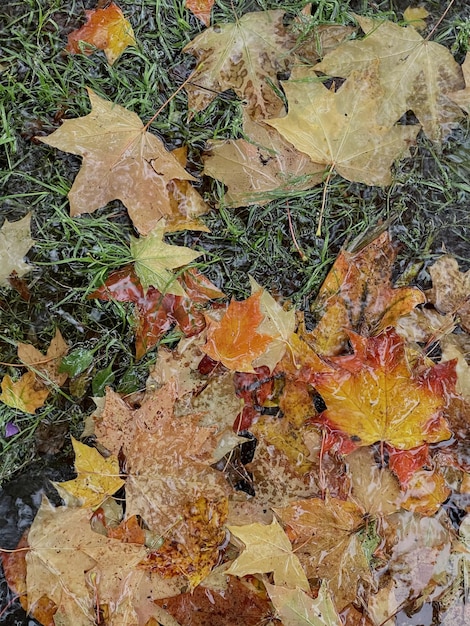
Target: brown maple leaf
[[450, 291], [256, 169], [121, 160], [46, 366], [243, 56], [324, 536]]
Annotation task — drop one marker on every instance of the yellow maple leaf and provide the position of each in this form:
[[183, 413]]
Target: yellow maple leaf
[[26, 394], [340, 129], [268, 549], [97, 477], [414, 73]]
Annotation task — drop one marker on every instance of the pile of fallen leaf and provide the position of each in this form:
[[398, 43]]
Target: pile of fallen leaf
[[270, 473]]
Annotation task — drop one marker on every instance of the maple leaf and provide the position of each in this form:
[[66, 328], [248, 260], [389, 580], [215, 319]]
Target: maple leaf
[[156, 313], [153, 258], [373, 394], [415, 16], [278, 322], [258, 168], [243, 56], [121, 160], [201, 9], [450, 292], [296, 608], [97, 477], [340, 129], [47, 366], [235, 340], [106, 29], [414, 73], [268, 549], [324, 536], [425, 492], [357, 294], [462, 97], [458, 347], [15, 242], [26, 394], [77, 569], [234, 604]]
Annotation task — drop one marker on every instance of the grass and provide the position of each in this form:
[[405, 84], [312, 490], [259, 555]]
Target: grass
[[40, 85]]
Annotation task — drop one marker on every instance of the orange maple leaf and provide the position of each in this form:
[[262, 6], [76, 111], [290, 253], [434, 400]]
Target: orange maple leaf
[[358, 294], [373, 395], [234, 340], [201, 9], [106, 29]]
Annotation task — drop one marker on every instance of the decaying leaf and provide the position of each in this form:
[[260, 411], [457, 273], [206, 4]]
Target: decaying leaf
[[373, 395], [15, 242], [414, 73], [153, 258], [26, 394], [235, 340], [121, 160], [324, 536], [106, 29], [268, 549], [358, 294], [46, 365], [339, 129], [243, 56], [76, 567], [462, 97], [296, 608], [97, 477], [260, 167], [450, 291]]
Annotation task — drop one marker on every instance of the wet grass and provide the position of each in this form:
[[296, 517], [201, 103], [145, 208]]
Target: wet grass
[[41, 85]]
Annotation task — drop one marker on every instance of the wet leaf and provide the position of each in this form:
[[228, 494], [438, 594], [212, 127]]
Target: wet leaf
[[296, 608], [260, 167], [243, 56], [415, 16], [324, 535], [235, 340], [373, 395], [201, 9], [25, 394], [15, 242], [414, 73], [425, 492], [76, 362], [97, 477], [268, 549], [75, 569], [462, 97], [339, 129], [358, 294], [233, 605], [102, 379], [450, 291], [48, 366], [156, 313], [153, 258], [106, 29], [121, 160]]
